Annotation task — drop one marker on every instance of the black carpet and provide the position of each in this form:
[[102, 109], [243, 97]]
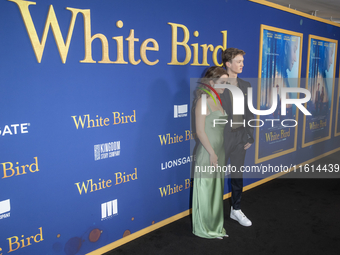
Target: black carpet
[[290, 216]]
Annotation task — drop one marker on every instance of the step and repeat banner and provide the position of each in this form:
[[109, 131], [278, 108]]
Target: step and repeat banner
[[95, 109]]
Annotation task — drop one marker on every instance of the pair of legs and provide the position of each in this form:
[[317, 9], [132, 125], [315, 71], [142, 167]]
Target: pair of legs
[[234, 149]]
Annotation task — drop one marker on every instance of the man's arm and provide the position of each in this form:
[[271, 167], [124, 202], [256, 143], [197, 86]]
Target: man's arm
[[248, 115]]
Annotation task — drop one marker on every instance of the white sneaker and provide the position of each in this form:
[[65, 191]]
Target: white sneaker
[[239, 216]]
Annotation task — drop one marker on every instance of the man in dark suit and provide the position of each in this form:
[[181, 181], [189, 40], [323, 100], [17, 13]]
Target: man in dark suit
[[238, 137]]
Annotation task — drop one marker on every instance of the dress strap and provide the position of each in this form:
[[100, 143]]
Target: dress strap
[[209, 108]]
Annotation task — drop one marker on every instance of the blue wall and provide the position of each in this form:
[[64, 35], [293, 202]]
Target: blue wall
[[47, 162]]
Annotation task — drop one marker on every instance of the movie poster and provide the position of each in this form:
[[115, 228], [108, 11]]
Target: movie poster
[[279, 67], [337, 124], [320, 79]]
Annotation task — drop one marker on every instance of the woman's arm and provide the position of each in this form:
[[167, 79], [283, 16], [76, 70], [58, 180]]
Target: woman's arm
[[202, 136]]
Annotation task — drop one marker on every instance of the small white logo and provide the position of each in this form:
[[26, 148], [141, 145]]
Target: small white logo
[[14, 129], [177, 162], [109, 209], [180, 111], [106, 150], [5, 207]]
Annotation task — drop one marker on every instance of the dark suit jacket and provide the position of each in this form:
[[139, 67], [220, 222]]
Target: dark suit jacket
[[227, 106]]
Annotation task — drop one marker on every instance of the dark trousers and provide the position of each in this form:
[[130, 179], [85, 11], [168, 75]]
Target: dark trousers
[[234, 149]]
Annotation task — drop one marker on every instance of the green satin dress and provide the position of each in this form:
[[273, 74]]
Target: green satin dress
[[207, 201]]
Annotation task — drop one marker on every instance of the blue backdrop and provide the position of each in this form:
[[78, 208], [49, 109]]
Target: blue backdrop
[[91, 151]]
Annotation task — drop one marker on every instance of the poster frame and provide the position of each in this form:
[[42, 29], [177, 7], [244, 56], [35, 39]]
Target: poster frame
[[310, 37], [257, 142]]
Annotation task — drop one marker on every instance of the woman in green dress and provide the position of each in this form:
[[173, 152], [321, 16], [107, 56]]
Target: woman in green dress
[[207, 202]]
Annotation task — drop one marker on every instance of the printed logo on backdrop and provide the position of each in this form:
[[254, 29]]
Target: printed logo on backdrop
[[180, 111], [14, 129], [177, 162], [106, 150], [167, 139], [175, 188], [91, 185], [52, 21], [117, 118], [10, 169], [109, 209], [5, 208]]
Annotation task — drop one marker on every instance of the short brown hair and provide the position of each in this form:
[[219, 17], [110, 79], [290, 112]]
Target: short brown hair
[[229, 54]]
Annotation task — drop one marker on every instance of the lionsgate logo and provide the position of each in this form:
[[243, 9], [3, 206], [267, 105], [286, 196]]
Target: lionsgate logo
[[177, 162], [106, 150], [109, 209], [5, 208], [180, 111], [14, 129]]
